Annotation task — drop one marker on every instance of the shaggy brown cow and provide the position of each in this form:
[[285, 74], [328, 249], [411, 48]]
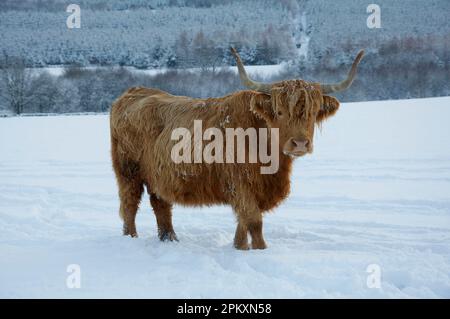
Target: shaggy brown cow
[[143, 119]]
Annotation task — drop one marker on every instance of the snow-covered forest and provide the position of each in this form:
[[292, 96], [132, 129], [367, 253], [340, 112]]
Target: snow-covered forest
[[151, 36], [407, 57]]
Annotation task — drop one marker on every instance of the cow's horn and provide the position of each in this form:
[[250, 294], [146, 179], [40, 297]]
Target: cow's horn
[[341, 86], [253, 85]]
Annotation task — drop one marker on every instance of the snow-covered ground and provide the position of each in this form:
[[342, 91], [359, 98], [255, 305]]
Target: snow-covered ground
[[375, 192]]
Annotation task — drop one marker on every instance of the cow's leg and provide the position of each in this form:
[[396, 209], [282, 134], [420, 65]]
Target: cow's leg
[[130, 188], [163, 213], [241, 236], [255, 229], [130, 192], [249, 221]]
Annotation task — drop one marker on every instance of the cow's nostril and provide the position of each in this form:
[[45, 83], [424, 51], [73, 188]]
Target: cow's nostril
[[300, 144], [307, 143]]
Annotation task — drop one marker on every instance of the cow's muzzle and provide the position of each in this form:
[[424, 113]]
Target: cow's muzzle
[[298, 147]]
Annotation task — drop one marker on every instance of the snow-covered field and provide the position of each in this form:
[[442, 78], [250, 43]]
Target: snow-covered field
[[375, 192]]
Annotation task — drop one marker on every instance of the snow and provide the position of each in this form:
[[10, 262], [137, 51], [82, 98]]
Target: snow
[[253, 70], [375, 192]]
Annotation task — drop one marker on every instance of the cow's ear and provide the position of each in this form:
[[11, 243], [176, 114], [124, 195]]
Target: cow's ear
[[328, 108], [261, 105]]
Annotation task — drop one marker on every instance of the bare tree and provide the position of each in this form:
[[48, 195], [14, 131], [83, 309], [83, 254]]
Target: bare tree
[[16, 80], [205, 52]]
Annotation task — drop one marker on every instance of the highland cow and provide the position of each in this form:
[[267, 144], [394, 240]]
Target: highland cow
[[142, 121]]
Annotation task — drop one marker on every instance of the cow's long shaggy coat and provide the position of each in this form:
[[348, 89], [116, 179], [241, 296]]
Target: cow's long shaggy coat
[[142, 121]]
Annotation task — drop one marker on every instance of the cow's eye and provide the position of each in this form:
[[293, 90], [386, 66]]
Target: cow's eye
[[280, 113]]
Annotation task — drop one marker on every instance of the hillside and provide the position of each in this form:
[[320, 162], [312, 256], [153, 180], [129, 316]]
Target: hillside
[[149, 34]]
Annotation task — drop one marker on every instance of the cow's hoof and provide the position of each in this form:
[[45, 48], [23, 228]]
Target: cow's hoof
[[167, 236], [133, 235], [241, 246], [259, 245], [126, 232]]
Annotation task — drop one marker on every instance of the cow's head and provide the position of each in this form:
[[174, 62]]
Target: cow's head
[[295, 106]]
